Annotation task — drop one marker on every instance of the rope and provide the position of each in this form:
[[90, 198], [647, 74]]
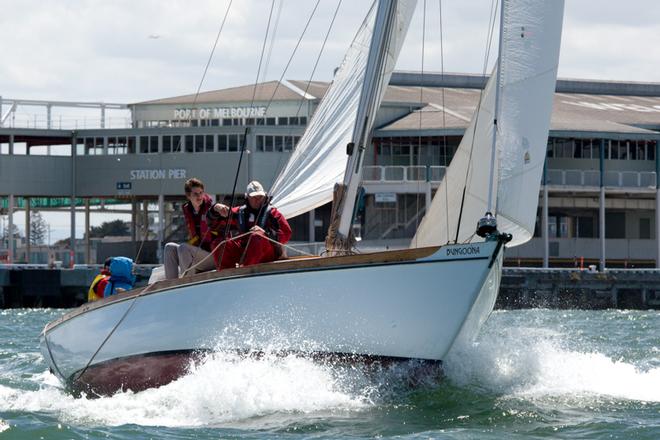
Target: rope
[[248, 233]]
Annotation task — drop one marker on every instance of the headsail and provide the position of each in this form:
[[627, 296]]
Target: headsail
[[531, 37], [320, 158]]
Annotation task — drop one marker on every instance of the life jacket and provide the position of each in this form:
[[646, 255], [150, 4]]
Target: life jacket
[[262, 221], [206, 234], [92, 294], [121, 276]]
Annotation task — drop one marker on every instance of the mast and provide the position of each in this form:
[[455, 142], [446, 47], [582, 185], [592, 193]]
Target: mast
[[339, 237]]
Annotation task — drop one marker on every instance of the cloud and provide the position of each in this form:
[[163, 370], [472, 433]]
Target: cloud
[[102, 51]]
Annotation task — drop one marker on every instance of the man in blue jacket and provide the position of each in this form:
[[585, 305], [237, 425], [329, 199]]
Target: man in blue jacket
[[121, 276]]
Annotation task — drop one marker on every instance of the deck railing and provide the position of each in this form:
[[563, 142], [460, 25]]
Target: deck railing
[[579, 178], [615, 179], [402, 174]]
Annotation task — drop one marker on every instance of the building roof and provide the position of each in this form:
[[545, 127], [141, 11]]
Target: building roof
[[574, 112], [275, 90], [448, 101]]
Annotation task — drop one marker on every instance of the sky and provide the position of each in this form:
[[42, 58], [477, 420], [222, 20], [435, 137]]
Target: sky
[[129, 51]]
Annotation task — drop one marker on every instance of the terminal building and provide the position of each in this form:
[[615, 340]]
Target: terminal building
[[597, 206]]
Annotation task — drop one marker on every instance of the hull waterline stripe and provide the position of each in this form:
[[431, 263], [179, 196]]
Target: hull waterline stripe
[[76, 382]]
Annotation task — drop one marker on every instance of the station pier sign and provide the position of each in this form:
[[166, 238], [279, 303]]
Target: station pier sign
[[158, 174]]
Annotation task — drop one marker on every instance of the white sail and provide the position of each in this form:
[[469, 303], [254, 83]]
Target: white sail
[[531, 37], [319, 160]]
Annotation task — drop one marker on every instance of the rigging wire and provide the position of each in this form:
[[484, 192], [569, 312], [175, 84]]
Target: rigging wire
[[272, 39], [206, 68], [419, 143], [134, 300], [444, 118], [247, 128], [179, 145], [491, 31], [303, 99], [295, 49]]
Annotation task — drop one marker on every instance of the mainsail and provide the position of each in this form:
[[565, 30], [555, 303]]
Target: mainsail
[[320, 158], [531, 36]]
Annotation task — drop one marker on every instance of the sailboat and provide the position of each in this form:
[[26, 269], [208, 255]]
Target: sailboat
[[395, 305]]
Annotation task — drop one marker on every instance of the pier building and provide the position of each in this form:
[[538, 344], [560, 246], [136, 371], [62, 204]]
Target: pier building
[[598, 201]]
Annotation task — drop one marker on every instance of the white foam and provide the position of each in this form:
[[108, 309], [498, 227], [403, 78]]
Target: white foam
[[223, 391], [533, 362]]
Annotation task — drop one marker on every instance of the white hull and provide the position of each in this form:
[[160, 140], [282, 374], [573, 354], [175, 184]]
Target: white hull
[[411, 309]]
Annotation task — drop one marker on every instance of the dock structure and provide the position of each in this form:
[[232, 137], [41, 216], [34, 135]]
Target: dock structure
[[39, 286], [599, 199], [581, 289]]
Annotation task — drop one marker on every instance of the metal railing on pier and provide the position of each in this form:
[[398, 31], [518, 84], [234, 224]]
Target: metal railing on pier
[[577, 178]]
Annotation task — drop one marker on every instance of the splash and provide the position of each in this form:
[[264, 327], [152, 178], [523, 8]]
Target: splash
[[224, 390], [532, 362]]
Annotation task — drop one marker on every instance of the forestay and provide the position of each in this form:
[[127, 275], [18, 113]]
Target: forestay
[[531, 36], [320, 158]]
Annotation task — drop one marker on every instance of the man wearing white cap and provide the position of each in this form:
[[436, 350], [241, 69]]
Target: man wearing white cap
[[269, 229]]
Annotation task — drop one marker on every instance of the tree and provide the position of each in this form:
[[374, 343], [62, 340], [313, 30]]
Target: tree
[[5, 235], [38, 229], [115, 228], [63, 243]]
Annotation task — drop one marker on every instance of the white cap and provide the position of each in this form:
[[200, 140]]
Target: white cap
[[255, 188]]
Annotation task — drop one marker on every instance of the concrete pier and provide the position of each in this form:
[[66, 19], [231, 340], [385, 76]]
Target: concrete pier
[[579, 289], [37, 285]]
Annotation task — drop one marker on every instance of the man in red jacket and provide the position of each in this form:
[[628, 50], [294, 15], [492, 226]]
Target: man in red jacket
[[180, 257], [267, 226]]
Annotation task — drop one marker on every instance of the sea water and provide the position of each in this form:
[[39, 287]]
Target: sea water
[[530, 374]]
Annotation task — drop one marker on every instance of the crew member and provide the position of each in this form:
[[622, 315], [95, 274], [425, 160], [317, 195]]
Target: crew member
[[267, 226], [179, 257], [121, 276], [97, 287]]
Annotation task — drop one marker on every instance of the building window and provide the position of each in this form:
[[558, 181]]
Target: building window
[[189, 143], [177, 147], [615, 225], [199, 143], [167, 144], [645, 228], [270, 121], [233, 142], [222, 142], [153, 144], [585, 227], [209, 146], [558, 226]]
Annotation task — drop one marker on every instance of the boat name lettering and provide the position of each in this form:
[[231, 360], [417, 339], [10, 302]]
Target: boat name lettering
[[219, 112], [171, 173], [472, 250]]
